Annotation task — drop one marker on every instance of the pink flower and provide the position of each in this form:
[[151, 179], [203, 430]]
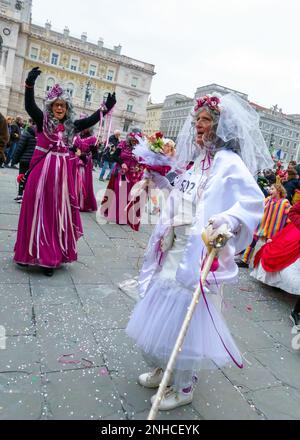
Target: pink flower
[[59, 128], [211, 102]]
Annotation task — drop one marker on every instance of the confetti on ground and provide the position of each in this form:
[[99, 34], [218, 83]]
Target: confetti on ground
[[104, 372]]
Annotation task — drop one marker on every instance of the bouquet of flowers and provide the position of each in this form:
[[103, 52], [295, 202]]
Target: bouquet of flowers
[[156, 143], [155, 153]]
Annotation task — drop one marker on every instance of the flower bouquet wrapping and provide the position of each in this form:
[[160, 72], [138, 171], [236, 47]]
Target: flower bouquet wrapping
[[155, 153]]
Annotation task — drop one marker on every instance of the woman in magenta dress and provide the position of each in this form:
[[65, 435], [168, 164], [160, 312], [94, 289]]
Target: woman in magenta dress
[[49, 223], [84, 145], [116, 205]]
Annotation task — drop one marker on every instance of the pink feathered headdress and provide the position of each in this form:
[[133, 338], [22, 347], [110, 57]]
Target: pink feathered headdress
[[55, 93]]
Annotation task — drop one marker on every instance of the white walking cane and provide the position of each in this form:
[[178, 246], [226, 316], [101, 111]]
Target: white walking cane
[[214, 247]]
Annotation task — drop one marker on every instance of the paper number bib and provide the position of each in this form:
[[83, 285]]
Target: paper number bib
[[190, 184]]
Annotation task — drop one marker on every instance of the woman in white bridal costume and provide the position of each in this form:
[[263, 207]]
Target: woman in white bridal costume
[[223, 140]]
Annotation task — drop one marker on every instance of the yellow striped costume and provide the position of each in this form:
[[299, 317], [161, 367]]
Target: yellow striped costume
[[274, 219]]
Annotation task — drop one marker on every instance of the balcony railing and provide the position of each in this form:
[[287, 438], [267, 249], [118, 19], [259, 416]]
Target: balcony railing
[[129, 115]]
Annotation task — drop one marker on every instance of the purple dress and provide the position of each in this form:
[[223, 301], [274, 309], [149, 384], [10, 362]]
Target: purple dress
[[116, 206], [83, 174], [49, 223]]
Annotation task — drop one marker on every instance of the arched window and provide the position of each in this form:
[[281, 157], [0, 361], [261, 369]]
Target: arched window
[[70, 89], [130, 105], [50, 84]]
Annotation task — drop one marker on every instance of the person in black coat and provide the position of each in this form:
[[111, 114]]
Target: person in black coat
[[108, 160], [115, 138], [23, 155], [292, 184], [4, 138], [15, 135]]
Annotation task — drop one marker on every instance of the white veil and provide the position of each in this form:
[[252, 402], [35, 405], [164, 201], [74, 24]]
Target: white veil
[[239, 121], [238, 125], [186, 149]]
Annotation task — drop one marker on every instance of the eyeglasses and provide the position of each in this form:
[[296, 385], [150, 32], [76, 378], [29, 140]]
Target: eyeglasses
[[61, 105]]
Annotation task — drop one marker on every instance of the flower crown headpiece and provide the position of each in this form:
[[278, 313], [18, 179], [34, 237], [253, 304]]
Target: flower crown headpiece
[[55, 93], [212, 102]]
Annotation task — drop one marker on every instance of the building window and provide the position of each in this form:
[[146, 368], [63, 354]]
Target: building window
[[110, 75], [130, 105], [34, 53], [288, 143], [70, 89], [280, 141], [50, 84], [92, 70], [126, 125], [134, 82], [295, 144], [74, 64], [54, 59]]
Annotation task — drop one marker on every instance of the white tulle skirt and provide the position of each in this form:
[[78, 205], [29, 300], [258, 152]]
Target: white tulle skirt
[[157, 319]]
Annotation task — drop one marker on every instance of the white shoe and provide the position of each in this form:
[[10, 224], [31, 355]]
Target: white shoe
[[152, 379], [173, 399]]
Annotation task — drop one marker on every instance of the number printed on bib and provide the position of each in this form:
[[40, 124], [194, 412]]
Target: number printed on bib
[[190, 183]]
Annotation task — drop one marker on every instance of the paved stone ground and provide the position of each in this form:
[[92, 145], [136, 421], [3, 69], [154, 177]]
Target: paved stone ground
[[67, 355]]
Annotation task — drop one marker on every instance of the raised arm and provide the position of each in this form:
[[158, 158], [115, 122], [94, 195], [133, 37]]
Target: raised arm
[[30, 105], [82, 124]]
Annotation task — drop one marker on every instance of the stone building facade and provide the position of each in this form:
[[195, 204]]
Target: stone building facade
[[176, 109], [153, 119], [88, 70]]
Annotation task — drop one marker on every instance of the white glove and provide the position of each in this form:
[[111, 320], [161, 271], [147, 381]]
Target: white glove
[[221, 219]]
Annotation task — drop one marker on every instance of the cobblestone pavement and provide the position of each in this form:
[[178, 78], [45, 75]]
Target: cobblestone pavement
[[67, 355]]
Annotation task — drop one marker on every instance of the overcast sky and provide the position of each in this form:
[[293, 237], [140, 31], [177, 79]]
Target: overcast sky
[[247, 45]]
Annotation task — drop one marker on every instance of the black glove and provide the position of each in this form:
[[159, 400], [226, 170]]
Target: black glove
[[83, 158], [110, 102], [32, 76], [94, 149]]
